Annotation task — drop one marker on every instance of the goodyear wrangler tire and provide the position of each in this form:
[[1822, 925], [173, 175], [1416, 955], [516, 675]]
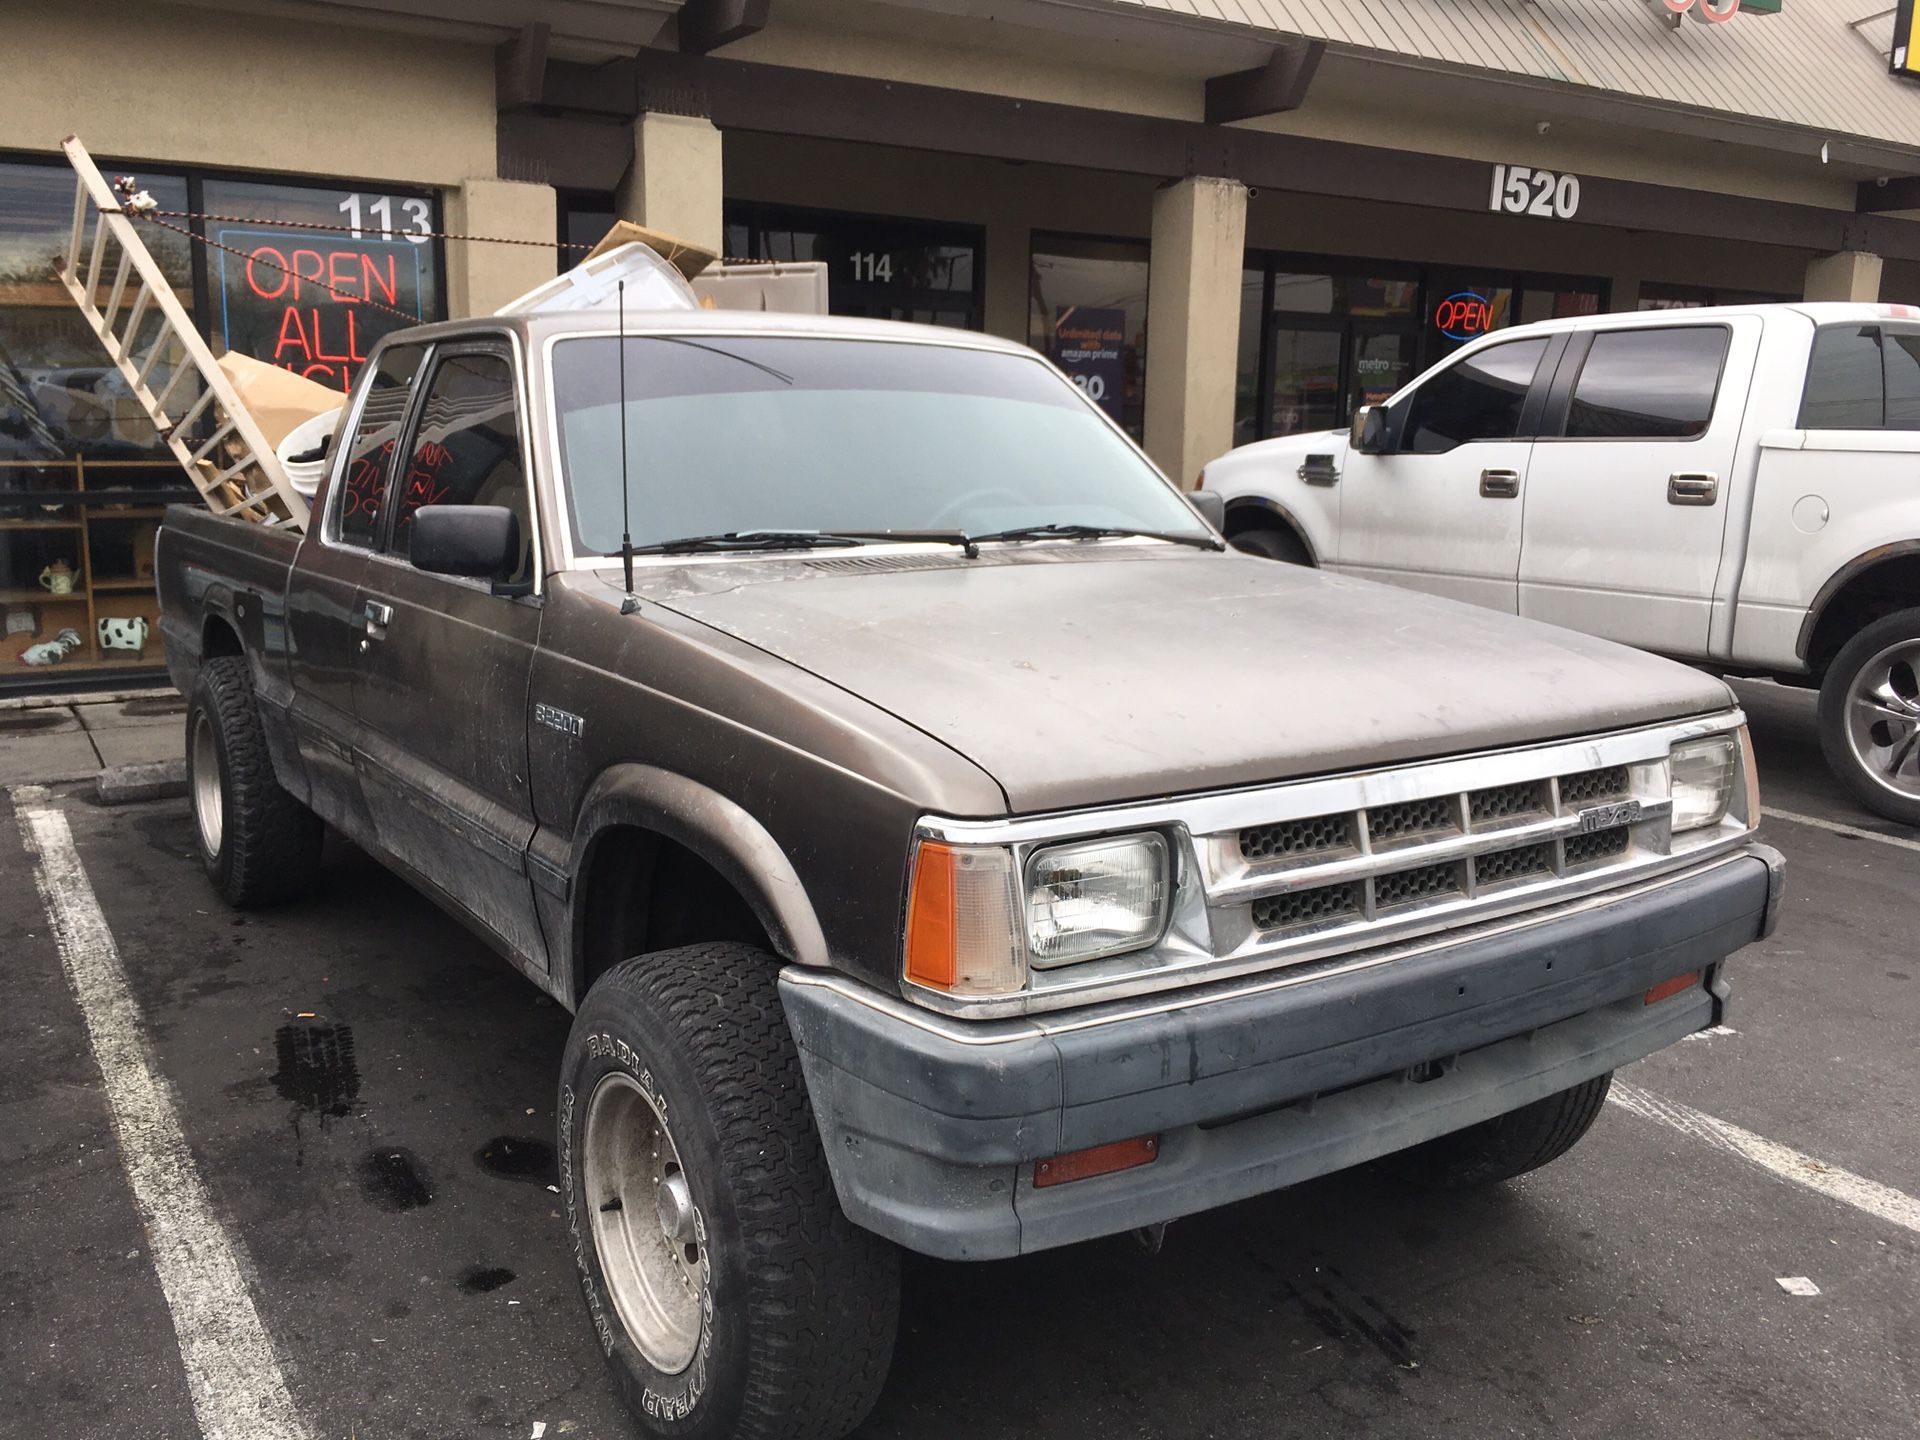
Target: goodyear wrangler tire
[[732, 1297], [257, 843], [1507, 1145]]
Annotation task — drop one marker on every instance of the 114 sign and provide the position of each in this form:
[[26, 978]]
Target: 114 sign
[[1523, 190]]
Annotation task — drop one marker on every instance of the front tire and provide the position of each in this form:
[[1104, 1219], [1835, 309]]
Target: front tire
[[1507, 1145], [731, 1295], [257, 843], [1870, 716]]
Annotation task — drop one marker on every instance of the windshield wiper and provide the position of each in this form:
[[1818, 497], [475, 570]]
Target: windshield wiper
[[749, 540], [1098, 532]]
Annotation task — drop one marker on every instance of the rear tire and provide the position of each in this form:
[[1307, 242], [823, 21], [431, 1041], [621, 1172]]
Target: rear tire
[[1272, 544], [1507, 1145], [731, 1295], [1870, 716], [257, 843]]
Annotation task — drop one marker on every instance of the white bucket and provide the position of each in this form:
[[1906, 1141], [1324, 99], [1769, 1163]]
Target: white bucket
[[305, 475]]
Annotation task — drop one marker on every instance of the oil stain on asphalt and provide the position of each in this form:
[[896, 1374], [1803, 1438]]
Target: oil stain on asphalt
[[479, 1279], [393, 1179], [514, 1157]]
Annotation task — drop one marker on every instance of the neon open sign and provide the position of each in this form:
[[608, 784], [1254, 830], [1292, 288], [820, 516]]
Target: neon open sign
[[1463, 315]]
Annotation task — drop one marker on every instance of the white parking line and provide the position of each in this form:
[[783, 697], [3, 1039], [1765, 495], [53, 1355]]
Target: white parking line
[[235, 1381], [1876, 1199], [1837, 828]]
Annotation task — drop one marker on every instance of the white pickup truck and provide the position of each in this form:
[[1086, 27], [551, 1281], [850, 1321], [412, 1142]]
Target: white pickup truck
[[1736, 487]]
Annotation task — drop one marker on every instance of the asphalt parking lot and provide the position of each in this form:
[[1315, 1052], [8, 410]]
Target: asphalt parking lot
[[368, 1097]]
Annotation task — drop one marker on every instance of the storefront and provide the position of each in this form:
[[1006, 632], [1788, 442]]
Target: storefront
[[308, 277], [1220, 230]]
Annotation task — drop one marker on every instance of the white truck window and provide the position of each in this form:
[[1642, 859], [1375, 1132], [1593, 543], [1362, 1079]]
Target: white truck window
[[1900, 352], [1477, 398], [1846, 384], [1648, 384]]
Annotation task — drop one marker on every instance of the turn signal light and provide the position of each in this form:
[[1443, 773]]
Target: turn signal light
[[963, 921], [1101, 1160], [1667, 989]]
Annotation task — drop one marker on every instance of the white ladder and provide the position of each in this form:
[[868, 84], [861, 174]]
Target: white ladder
[[232, 466]]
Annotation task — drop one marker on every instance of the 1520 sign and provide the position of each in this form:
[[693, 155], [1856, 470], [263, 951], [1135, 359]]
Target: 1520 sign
[[1523, 190]]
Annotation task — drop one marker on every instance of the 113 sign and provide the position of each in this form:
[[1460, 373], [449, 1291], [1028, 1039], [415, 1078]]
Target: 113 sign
[[1522, 190]]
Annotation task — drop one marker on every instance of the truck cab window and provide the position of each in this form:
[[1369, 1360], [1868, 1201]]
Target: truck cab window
[[1846, 387], [1478, 398], [466, 450], [1900, 355], [1648, 384], [370, 454]]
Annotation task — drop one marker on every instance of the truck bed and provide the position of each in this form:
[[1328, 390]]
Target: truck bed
[[232, 571]]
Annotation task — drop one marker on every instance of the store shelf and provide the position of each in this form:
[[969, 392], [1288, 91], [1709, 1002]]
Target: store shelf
[[40, 595], [40, 525], [124, 583], [136, 512]]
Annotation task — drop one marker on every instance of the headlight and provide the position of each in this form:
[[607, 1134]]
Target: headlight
[[1098, 898], [1705, 773], [975, 927]]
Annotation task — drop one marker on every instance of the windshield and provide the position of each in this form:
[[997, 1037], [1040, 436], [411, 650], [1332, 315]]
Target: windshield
[[732, 434]]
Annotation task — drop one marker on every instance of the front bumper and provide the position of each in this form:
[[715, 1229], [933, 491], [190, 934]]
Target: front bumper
[[932, 1125]]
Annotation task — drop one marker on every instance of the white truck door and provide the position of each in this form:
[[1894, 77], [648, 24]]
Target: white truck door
[[1441, 512], [1628, 495]]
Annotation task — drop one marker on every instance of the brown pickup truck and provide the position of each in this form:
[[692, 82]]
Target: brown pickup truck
[[942, 840]]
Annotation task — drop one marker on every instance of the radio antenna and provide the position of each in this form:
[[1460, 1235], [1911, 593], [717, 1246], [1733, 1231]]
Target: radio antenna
[[631, 603]]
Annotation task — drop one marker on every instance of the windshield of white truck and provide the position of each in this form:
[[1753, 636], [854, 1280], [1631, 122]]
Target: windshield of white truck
[[730, 436]]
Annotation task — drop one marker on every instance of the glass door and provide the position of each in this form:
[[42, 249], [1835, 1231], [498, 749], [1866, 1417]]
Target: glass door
[[1380, 361], [1307, 375]]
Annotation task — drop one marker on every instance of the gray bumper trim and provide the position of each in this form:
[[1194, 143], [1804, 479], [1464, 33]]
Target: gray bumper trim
[[930, 1137]]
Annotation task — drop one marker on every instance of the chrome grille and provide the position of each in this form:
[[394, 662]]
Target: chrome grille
[[1306, 907], [1410, 887], [1412, 819], [1598, 845], [1591, 785], [1374, 866], [1297, 837], [1507, 802]]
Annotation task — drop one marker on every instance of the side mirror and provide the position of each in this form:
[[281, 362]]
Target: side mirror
[[1369, 436], [1212, 507], [481, 542]]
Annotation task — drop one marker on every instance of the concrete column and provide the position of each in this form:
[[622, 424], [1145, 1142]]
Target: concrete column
[[673, 185], [1009, 243], [1193, 322], [482, 277], [1850, 275]]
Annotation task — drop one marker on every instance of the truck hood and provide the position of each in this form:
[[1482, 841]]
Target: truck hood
[[1083, 674]]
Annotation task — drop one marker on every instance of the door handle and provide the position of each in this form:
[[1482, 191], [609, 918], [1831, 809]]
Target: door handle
[[1500, 484], [379, 616], [1692, 487]]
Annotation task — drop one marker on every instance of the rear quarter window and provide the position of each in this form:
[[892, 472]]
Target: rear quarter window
[[1846, 383]]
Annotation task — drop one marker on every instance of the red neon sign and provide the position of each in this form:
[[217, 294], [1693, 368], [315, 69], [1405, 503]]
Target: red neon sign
[[1463, 315]]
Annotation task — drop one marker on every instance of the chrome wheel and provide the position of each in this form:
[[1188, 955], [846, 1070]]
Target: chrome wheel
[[1883, 718], [648, 1234], [209, 802]]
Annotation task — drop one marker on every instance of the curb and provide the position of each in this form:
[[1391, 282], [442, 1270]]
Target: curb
[[150, 780]]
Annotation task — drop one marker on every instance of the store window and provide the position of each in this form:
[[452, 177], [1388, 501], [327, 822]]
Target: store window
[[877, 266], [1343, 333], [83, 478], [1087, 312], [316, 301], [1657, 296]]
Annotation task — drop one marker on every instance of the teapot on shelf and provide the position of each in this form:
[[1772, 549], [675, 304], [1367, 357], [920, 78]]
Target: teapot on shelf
[[57, 577]]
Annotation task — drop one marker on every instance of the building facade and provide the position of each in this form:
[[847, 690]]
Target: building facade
[[1225, 219]]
